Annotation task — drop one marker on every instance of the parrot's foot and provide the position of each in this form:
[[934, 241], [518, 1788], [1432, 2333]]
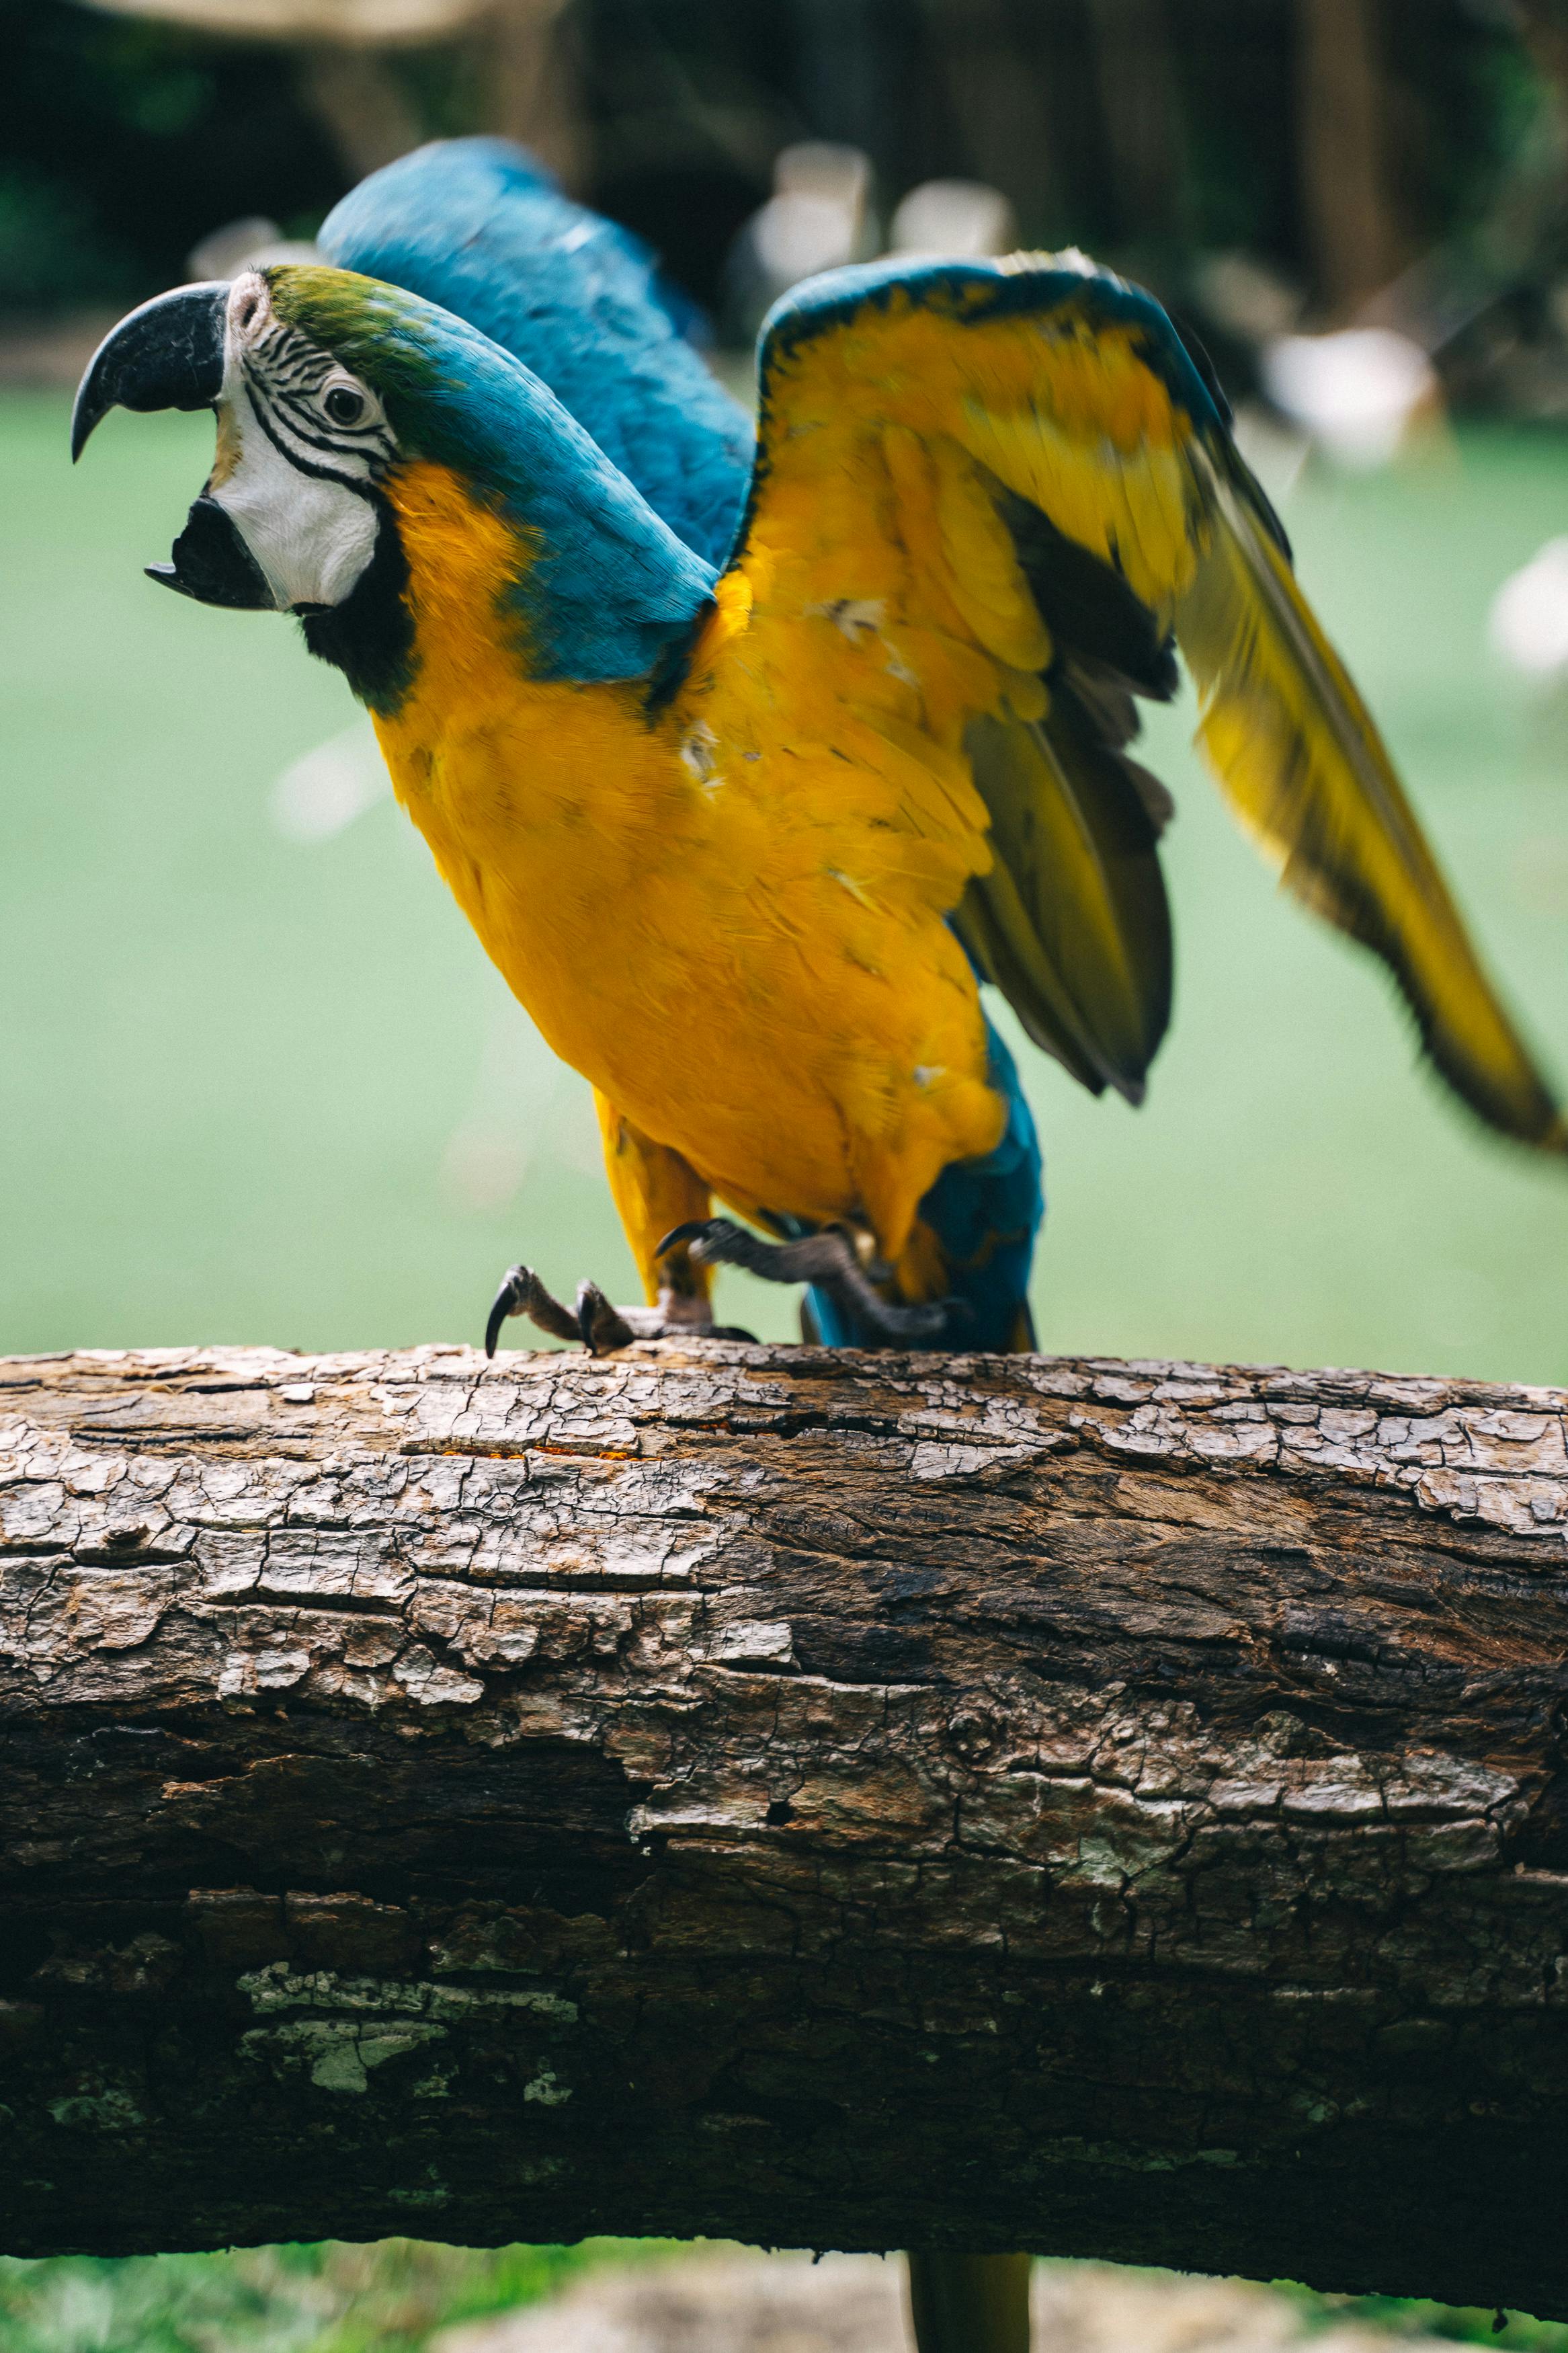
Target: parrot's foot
[[595, 1323], [826, 1260]]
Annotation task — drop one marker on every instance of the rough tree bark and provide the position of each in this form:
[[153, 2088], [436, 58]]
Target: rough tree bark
[[1116, 1810]]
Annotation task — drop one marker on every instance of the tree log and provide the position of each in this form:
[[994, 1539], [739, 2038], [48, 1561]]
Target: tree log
[[864, 1801]]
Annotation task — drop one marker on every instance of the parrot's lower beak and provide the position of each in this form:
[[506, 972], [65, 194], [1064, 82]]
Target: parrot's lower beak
[[213, 563], [167, 355]]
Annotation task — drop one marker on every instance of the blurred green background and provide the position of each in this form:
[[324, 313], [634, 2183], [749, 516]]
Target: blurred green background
[[260, 1089]]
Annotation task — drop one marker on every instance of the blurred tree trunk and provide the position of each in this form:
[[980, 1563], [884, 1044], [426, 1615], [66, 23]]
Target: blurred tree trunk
[[1138, 98], [999, 105], [359, 98], [525, 67], [1543, 27], [1341, 112], [1526, 231], [531, 79]]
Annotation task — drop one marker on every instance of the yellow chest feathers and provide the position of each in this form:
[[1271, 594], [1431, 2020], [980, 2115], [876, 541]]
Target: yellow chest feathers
[[694, 922]]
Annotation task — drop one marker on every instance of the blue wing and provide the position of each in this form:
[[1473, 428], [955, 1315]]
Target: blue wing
[[475, 226]]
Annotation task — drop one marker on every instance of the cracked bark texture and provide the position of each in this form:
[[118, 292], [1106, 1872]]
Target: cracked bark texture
[[1117, 1809]]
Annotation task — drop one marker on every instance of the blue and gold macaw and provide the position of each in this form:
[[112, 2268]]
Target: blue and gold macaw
[[753, 767]]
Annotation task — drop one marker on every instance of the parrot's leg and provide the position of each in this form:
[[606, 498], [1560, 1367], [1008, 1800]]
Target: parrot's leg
[[595, 1323], [826, 1259], [653, 1187]]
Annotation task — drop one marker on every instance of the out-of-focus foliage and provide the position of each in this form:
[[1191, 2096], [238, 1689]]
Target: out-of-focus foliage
[[396, 2296], [1146, 129], [1409, 2316], [331, 2298], [121, 144], [53, 252]]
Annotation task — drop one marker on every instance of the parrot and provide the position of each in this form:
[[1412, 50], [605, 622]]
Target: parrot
[[756, 757]]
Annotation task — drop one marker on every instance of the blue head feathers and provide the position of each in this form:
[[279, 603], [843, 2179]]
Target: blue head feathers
[[474, 226], [603, 585]]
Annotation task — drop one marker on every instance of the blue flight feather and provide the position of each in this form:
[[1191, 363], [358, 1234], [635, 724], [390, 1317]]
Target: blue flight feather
[[475, 226]]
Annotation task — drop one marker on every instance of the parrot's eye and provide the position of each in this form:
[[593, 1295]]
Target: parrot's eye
[[343, 406]]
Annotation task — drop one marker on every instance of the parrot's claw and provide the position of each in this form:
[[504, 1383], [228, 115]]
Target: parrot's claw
[[826, 1259], [602, 1328], [522, 1294], [597, 1324]]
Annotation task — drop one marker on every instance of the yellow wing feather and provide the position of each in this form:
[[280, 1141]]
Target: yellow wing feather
[[870, 505], [1302, 765], [903, 436]]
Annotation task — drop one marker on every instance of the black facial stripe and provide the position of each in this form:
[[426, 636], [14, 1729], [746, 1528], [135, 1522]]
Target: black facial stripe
[[288, 353], [362, 490], [294, 355], [284, 373], [286, 406]]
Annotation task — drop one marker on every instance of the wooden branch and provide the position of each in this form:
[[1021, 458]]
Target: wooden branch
[[1116, 1810]]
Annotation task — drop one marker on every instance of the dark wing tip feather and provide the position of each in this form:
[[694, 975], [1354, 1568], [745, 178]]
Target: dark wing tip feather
[[1085, 604]]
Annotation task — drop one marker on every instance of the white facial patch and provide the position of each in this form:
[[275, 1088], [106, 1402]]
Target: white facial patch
[[311, 538], [300, 442]]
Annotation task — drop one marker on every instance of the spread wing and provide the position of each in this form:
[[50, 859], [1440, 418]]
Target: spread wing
[[1011, 490], [475, 226]]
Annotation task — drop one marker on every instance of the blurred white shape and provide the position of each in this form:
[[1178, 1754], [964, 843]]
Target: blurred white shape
[[354, 22], [253, 242], [1528, 624], [799, 235], [961, 218], [816, 217], [1355, 392], [326, 789]]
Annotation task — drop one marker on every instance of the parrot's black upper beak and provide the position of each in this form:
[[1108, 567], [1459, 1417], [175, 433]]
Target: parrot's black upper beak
[[167, 355]]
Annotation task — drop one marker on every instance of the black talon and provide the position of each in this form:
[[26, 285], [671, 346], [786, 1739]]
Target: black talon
[[505, 1302], [692, 1231], [600, 1326], [522, 1294]]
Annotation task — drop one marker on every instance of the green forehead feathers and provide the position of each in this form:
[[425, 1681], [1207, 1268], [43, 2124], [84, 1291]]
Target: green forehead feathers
[[373, 329]]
